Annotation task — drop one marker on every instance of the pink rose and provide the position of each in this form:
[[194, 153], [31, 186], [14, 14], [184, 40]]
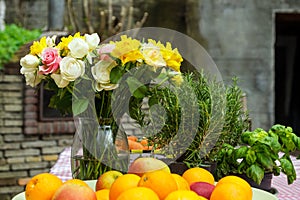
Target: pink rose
[[104, 50], [51, 60]]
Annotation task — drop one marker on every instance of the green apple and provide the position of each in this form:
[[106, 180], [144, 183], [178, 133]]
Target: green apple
[[106, 179]]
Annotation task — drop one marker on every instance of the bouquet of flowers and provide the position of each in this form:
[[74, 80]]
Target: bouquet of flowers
[[84, 74], [81, 57]]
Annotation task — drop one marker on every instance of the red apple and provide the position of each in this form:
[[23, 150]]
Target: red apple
[[147, 164], [71, 191], [203, 189], [106, 179]]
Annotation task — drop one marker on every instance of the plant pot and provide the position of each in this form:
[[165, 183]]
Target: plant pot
[[181, 167], [178, 167], [265, 184]]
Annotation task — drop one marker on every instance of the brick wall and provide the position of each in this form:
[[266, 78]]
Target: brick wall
[[29, 146], [25, 155]]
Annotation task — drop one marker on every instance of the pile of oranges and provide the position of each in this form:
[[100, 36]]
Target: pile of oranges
[[154, 185], [135, 144]]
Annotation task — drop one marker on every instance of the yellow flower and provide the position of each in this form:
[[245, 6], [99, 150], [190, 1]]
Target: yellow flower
[[171, 56], [177, 79], [63, 45], [38, 46], [127, 49], [152, 55]]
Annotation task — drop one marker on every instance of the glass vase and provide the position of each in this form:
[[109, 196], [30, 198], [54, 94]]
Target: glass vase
[[97, 149]]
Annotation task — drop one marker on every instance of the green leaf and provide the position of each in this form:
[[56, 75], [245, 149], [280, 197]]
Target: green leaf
[[115, 74], [250, 157], [153, 100], [241, 152], [241, 167], [246, 136], [256, 173], [79, 106], [136, 88], [296, 141], [288, 168], [265, 160]]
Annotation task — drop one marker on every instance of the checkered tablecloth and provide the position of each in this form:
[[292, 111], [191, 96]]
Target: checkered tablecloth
[[62, 169]]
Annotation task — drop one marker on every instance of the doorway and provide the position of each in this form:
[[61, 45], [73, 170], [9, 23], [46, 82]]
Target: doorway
[[287, 70]]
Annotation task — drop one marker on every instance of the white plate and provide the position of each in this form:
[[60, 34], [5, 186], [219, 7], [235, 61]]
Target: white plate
[[257, 194]]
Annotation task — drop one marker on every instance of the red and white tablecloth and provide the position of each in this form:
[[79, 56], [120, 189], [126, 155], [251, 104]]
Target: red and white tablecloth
[[62, 169]]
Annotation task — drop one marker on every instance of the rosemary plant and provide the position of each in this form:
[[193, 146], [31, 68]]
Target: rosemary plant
[[194, 140]]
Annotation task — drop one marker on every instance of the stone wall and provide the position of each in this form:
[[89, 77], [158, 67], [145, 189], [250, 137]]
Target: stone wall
[[240, 38], [23, 156]]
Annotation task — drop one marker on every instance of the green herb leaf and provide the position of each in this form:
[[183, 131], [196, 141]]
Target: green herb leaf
[[265, 160], [256, 173], [288, 168], [250, 157], [241, 152]]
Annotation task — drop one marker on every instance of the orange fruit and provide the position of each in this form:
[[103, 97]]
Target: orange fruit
[[122, 184], [235, 179], [229, 191], [182, 184], [184, 195], [148, 148], [138, 193], [161, 182], [197, 174], [76, 181], [132, 138], [144, 142], [133, 145], [42, 187], [102, 194]]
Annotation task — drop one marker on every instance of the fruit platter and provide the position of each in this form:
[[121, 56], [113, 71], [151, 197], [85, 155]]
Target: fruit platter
[[143, 182]]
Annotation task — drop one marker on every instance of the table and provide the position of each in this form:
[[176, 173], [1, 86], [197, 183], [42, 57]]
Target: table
[[62, 169]]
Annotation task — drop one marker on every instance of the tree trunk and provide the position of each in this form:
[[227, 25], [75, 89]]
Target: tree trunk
[[56, 15]]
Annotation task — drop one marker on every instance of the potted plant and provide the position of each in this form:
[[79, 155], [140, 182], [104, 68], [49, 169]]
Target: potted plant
[[261, 153], [234, 121], [221, 119]]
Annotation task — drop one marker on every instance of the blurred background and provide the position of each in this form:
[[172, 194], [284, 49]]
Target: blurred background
[[256, 41]]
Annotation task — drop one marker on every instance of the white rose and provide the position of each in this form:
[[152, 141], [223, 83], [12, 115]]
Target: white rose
[[29, 64], [71, 68], [59, 81], [78, 48], [101, 73], [99, 86], [92, 40], [51, 41], [32, 79]]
